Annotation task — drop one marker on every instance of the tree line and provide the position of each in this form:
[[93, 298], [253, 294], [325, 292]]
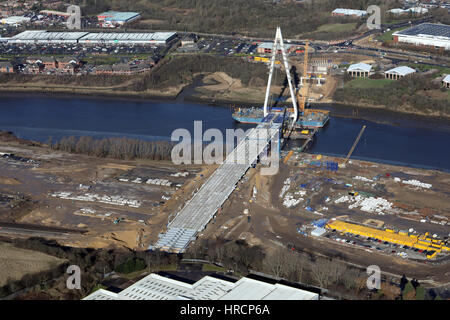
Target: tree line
[[117, 148]]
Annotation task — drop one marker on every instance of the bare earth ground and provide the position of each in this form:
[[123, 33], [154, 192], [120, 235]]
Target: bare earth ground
[[16, 262], [61, 172], [272, 225]]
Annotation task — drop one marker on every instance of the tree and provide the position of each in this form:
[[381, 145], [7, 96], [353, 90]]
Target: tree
[[409, 293], [420, 293]]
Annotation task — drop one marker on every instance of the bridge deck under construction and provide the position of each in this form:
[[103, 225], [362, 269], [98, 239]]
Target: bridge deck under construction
[[202, 207]]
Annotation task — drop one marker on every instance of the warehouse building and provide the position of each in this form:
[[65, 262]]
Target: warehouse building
[[157, 287], [360, 70], [399, 72], [446, 81], [42, 36], [112, 19], [413, 10], [349, 12], [425, 34], [157, 38]]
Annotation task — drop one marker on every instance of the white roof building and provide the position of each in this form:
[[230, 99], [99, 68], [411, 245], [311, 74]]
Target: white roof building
[[360, 67], [317, 232], [157, 287], [399, 72], [43, 36], [446, 81], [425, 34], [15, 20], [349, 12], [418, 10]]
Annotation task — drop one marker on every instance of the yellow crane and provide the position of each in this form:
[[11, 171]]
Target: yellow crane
[[303, 91]]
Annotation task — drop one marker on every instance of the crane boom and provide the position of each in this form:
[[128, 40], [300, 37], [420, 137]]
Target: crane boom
[[354, 144], [303, 92]]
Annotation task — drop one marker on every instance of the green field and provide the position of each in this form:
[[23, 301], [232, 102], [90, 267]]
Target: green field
[[387, 36], [212, 267], [364, 83], [336, 27], [426, 67]]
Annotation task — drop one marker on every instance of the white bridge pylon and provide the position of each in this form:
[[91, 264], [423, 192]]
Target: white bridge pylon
[[279, 38]]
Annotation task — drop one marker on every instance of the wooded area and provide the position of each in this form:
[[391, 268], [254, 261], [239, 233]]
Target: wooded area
[[180, 70], [117, 148], [251, 17], [398, 95]]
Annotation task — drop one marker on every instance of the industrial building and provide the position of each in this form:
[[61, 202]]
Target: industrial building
[[413, 10], [157, 38], [446, 81], [399, 72], [157, 287], [425, 34], [349, 12], [42, 36], [112, 19], [266, 48], [422, 242], [360, 70]]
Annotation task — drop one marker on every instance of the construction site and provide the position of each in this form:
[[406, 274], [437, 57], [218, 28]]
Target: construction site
[[361, 212]]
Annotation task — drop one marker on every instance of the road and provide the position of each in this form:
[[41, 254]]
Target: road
[[8, 228]]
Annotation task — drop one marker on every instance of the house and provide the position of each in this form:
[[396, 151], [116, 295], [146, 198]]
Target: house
[[6, 67], [66, 61], [446, 81], [33, 59], [360, 70], [103, 69], [33, 68], [49, 62], [70, 68], [399, 72]]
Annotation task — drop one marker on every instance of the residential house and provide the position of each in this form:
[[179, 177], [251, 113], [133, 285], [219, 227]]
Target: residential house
[[6, 67]]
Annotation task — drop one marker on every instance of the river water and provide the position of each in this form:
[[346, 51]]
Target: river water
[[409, 142]]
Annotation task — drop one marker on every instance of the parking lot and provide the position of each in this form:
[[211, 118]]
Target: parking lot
[[226, 46], [76, 49]]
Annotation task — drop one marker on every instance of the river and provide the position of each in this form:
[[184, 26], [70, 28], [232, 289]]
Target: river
[[408, 142]]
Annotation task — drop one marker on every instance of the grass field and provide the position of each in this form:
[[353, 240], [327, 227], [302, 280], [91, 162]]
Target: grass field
[[211, 267], [426, 67], [364, 83], [16, 262], [336, 27], [387, 36]]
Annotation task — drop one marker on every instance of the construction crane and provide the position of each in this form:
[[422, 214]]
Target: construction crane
[[303, 92], [354, 144]]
